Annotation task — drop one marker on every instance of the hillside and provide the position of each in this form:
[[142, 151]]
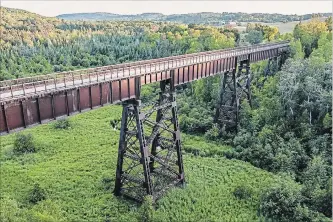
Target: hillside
[[19, 27], [76, 167], [32, 44], [197, 18]]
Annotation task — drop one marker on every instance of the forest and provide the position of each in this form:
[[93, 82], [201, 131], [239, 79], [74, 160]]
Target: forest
[[277, 166], [205, 18]]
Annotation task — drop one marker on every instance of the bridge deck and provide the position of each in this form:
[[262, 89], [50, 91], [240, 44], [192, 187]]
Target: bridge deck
[[34, 100], [26, 86]]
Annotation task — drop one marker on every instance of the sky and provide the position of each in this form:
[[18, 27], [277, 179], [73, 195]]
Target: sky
[[53, 8]]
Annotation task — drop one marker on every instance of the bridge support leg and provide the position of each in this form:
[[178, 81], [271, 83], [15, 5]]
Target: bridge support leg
[[234, 88], [227, 110], [133, 177], [267, 71], [149, 163]]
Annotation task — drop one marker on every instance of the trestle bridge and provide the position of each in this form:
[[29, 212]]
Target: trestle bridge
[[149, 154]]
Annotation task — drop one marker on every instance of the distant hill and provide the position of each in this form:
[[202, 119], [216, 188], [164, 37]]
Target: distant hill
[[198, 18], [111, 16]]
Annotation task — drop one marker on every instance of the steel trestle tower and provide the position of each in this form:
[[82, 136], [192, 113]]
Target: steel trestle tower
[[149, 163]]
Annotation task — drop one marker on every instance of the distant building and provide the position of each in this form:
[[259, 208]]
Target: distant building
[[231, 23]]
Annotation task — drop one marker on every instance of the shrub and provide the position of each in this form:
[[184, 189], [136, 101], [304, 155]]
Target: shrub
[[10, 210], [36, 194], [243, 192], [304, 214], [213, 133], [24, 144], [62, 124], [281, 203]]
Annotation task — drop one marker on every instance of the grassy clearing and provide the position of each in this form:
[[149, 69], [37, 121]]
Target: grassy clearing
[[76, 168], [283, 27]]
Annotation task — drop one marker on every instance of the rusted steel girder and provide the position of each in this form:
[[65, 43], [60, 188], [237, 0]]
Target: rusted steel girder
[[149, 155], [31, 101]]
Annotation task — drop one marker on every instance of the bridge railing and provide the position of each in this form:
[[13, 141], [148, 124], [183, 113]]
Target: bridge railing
[[31, 85]]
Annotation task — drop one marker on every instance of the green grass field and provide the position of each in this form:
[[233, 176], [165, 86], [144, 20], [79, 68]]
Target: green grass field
[[283, 27], [76, 167]]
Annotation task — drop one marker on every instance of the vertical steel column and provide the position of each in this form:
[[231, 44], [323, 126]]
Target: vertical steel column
[[121, 151], [235, 98], [133, 177], [275, 64], [267, 71], [155, 142], [176, 138], [248, 81], [221, 94]]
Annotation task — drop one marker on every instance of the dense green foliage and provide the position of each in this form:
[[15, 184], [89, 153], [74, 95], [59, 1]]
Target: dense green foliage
[[285, 203], [51, 45], [207, 18], [62, 124], [24, 144], [288, 129], [36, 194], [254, 37]]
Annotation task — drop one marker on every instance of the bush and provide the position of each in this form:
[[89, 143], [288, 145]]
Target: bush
[[281, 203], [243, 192], [24, 144], [304, 214], [213, 133], [36, 194], [10, 210], [62, 124]]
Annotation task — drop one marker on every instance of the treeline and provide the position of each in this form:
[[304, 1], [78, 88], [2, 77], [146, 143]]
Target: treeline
[[206, 18], [106, 49], [307, 31]]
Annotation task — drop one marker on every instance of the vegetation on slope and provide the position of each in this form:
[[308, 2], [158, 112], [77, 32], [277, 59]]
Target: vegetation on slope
[[45, 47], [75, 169]]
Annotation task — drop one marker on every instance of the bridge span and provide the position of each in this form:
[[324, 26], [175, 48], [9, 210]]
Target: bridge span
[[34, 100], [149, 153]]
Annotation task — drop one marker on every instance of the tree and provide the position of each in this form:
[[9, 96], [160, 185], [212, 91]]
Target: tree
[[281, 203], [328, 22], [254, 37], [296, 49], [309, 33]]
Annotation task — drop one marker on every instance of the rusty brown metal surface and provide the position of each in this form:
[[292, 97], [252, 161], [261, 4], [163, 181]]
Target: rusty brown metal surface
[[70, 93]]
